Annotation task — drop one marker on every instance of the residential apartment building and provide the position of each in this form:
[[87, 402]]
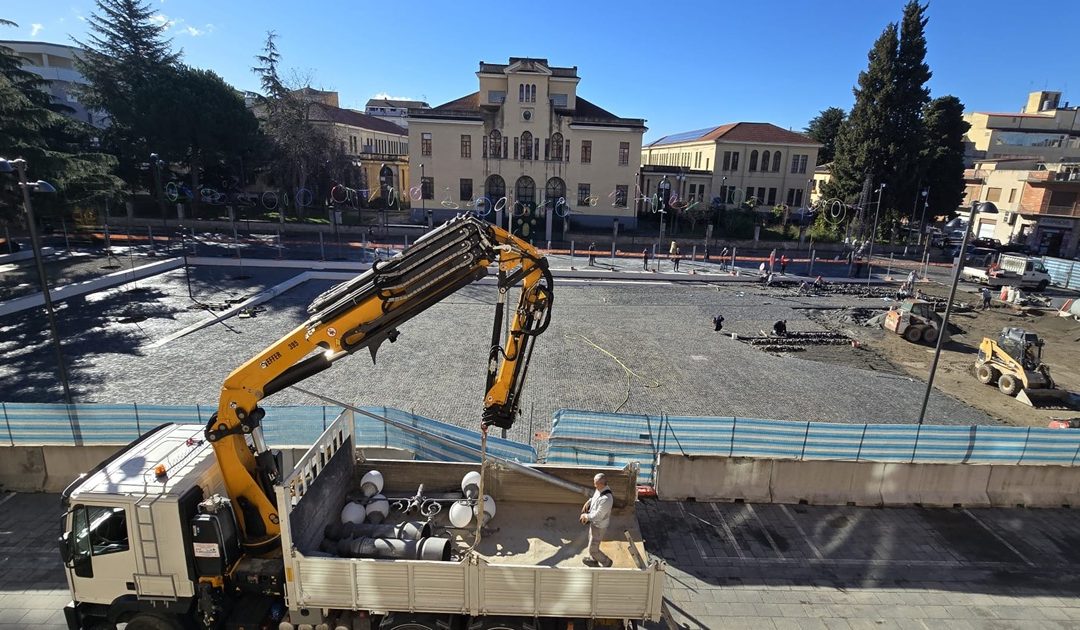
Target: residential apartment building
[[736, 163], [378, 149], [527, 145], [1038, 203], [56, 64], [393, 110], [1044, 129]]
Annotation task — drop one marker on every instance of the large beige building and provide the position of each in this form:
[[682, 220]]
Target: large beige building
[[526, 145], [1038, 203], [738, 162], [1044, 129]]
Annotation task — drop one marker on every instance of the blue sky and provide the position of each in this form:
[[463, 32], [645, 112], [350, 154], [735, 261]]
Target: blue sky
[[680, 65]]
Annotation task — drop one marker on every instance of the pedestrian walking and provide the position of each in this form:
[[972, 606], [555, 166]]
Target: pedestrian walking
[[676, 257], [674, 248], [596, 513], [645, 258], [784, 260], [718, 322], [986, 298], [911, 279], [592, 254]]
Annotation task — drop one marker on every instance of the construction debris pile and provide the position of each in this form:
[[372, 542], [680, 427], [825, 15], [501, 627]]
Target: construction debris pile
[[795, 341]]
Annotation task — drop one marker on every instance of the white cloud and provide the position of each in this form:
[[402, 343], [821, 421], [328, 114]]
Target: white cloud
[[35, 29], [161, 19], [387, 96]]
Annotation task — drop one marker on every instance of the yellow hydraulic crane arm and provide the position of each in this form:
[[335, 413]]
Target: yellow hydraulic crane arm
[[363, 313]]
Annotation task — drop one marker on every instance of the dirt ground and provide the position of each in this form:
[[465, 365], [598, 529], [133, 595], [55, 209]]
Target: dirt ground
[[883, 351]]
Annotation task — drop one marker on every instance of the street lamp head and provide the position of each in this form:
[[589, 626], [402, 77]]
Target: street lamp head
[[984, 207], [42, 186], [6, 166]]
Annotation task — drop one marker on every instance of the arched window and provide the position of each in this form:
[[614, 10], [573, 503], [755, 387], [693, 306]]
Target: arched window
[[521, 93], [525, 191], [753, 161], [765, 155], [553, 191], [556, 147], [776, 162], [526, 146], [532, 93], [495, 188], [495, 144]]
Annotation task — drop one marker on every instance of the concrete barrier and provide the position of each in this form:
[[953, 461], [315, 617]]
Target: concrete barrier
[[710, 478], [943, 485], [22, 468], [827, 482], [64, 464], [1033, 486]]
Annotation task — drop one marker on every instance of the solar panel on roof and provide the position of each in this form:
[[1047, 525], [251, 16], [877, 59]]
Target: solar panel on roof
[[684, 136]]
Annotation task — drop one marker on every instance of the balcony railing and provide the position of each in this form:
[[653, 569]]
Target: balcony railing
[[1068, 211]]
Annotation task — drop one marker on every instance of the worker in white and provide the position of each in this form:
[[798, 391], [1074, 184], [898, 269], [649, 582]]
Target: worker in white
[[596, 513]]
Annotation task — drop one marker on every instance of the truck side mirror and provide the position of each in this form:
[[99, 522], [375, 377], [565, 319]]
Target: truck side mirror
[[64, 542]]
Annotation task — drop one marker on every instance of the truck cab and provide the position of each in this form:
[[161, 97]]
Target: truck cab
[[1030, 272]]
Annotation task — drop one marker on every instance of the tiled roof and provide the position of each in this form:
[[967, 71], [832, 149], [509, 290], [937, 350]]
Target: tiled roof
[[467, 103], [391, 102], [584, 111], [498, 68], [738, 132], [353, 118]]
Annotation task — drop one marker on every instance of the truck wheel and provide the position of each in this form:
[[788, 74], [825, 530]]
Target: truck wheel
[[986, 374], [913, 334], [1042, 286], [1008, 385], [930, 334], [500, 623], [406, 621], [152, 622]]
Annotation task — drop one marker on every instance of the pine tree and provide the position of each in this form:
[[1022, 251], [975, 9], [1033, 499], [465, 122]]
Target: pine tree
[[912, 96], [943, 156], [866, 146], [824, 128]]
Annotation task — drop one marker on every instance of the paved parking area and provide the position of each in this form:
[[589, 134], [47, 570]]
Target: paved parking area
[[768, 566], [757, 566]]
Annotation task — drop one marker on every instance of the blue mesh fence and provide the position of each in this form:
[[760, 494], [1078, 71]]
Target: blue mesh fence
[[26, 424], [1063, 273], [594, 439]]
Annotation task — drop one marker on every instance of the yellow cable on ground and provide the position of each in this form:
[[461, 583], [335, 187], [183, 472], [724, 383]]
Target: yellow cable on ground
[[630, 374]]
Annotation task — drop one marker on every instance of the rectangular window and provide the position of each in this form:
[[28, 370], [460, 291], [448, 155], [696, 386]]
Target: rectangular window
[[583, 193], [566, 155], [772, 197], [794, 197], [466, 190], [496, 97], [621, 193], [761, 195], [427, 187], [798, 196], [993, 194], [586, 151], [515, 147], [734, 160], [727, 161], [558, 100], [1012, 195], [425, 144], [798, 163], [706, 164], [624, 153], [466, 146]]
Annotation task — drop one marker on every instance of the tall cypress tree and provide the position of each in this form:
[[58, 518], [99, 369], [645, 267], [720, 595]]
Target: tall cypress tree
[[824, 128], [943, 156], [867, 144], [912, 96]]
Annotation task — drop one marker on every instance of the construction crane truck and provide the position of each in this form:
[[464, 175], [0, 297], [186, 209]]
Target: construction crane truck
[[201, 527]]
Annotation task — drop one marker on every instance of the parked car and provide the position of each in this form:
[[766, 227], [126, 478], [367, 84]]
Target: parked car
[[990, 243]]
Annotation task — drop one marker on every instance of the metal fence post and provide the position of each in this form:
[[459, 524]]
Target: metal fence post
[[7, 422], [862, 439], [138, 426], [915, 446], [322, 253], [805, 439], [813, 254], [731, 442]]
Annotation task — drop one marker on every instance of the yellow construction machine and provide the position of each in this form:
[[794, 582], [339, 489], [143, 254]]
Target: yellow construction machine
[[1014, 362], [914, 320]]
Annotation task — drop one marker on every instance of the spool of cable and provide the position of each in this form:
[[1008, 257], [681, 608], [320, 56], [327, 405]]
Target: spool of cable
[[470, 484], [489, 509], [377, 509], [353, 513], [371, 483]]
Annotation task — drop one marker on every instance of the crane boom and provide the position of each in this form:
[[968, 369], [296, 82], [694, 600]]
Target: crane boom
[[363, 313]]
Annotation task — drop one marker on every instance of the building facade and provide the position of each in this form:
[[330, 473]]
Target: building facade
[[1038, 203], [393, 110], [525, 146], [56, 64], [1045, 129], [757, 164]]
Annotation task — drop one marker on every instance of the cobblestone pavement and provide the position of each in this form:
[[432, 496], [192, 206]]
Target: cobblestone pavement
[[748, 566], [660, 331], [794, 566]]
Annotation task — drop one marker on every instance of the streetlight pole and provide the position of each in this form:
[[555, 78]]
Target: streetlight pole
[[42, 186], [922, 221], [984, 207], [423, 196], [873, 236]]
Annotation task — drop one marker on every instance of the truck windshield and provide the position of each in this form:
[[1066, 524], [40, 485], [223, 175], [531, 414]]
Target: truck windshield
[[1040, 267]]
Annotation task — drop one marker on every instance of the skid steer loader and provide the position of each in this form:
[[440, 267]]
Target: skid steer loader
[[1014, 362], [914, 320]]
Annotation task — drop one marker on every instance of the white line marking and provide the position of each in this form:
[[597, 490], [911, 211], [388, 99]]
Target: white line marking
[[730, 534], [697, 543], [765, 530], [999, 538], [810, 543], [7, 498]]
